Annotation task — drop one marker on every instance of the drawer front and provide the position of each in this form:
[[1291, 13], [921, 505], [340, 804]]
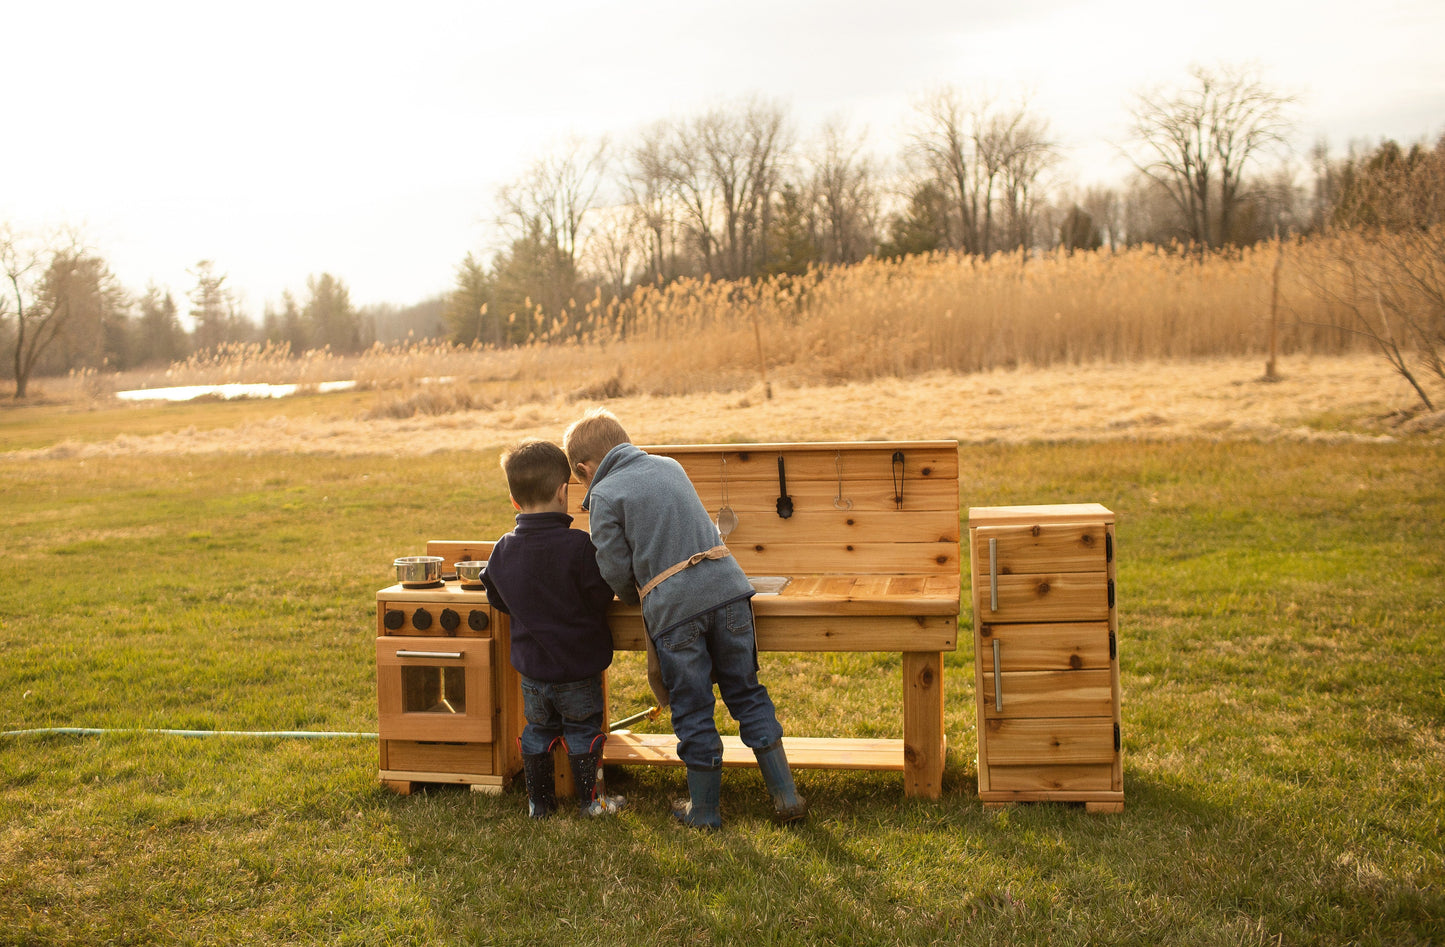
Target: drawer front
[[1079, 596], [472, 759], [1049, 694], [1040, 740], [1043, 780], [1053, 547], [1053, 646]]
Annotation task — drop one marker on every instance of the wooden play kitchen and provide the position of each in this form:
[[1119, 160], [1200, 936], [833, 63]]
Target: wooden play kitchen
[[1046, 640], [449, 703], [853, 546]]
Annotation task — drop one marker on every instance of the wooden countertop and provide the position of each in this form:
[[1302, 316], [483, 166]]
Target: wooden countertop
[[863, 595]]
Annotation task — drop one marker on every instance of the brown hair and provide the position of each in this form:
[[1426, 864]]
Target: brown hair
[[590, 437], [535, 469]]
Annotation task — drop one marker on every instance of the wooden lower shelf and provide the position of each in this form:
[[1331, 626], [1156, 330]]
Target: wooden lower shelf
[[660, 749], [404, 781]]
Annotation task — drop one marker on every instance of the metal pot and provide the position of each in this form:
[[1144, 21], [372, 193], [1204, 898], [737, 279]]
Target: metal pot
[[470, 571], [417, 570]]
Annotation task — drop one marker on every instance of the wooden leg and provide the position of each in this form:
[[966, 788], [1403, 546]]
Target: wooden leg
[[402, 787], [1103, 807], [923, 739], [566, 786]]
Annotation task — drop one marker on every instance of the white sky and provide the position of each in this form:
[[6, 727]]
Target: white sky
[[367, 140]]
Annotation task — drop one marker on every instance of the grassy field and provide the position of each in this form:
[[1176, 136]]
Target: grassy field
[[1282, 658]]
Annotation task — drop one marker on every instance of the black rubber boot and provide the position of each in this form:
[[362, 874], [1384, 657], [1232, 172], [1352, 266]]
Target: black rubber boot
[[541, 784], [788, 806], [587, 773]]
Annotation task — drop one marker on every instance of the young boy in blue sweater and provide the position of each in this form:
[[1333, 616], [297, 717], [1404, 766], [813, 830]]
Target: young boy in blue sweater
[[544, 574], [657, 545]]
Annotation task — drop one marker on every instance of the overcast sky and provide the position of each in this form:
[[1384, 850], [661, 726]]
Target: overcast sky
[[368, 140]]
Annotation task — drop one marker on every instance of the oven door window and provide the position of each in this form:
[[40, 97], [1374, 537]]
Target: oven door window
[[433, 690]]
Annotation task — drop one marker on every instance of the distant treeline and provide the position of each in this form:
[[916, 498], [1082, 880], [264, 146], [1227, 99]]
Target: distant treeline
[[734, 195]]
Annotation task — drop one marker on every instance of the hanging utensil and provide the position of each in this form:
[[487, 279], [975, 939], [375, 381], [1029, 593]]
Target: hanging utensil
[[785, 502], [727, 520], [839, 503], [898, 479]]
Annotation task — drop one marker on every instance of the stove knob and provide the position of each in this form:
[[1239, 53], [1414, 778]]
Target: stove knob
[[478, 620], [421, 619], [450, 620], [395, 618]]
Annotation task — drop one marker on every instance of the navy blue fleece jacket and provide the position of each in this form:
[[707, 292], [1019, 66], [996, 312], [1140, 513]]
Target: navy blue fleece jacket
[[544, 574]]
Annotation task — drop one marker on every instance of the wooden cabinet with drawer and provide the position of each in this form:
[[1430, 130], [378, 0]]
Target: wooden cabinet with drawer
[[1046, 655]]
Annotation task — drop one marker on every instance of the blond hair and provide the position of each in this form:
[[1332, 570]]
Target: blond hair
[[590, 437]]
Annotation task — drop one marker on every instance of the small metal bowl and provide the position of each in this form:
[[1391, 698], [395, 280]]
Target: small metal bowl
[[470, 571], [418, 570]]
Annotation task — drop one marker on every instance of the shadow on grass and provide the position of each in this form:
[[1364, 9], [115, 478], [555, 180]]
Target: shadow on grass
[[872, 867]]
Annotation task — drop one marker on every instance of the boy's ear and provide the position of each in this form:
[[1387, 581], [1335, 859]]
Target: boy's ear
[[561, 495], [515, 505]]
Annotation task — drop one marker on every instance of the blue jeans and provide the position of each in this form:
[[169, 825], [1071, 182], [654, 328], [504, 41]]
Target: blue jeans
[[572, 711], [718, 644]]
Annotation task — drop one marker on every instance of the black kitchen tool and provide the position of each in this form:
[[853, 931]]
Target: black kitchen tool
[[898, 479], [785, 502]]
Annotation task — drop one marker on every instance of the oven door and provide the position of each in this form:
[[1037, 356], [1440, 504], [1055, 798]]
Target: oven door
[[434, 689]]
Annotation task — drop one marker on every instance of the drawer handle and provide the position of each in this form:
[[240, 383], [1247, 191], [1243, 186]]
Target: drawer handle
[[429, 654], [993, 577], [997, 677]]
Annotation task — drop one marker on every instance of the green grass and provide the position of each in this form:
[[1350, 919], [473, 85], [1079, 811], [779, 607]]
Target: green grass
[[1282, 657]]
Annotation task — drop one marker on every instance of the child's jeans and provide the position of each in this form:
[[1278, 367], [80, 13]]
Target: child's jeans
[[572, 711], [717, 644]]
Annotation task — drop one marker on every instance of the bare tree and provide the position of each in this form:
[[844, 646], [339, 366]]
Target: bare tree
[[847, 201], [1387, 260], [981, 156], [547, 213], [648, 183], [36, 297], [1025, 153], [1197, 144], [726, 168], [555, 196], [944, 142]]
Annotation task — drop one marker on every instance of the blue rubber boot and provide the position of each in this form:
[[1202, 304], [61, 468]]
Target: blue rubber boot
[[788, 806], [700, 810]]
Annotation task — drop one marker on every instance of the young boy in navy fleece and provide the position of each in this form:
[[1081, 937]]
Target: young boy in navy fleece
[[544, 574], [657, 545]]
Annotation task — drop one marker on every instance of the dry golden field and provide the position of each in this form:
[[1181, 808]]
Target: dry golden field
[[1351, 397], [1139, 344]]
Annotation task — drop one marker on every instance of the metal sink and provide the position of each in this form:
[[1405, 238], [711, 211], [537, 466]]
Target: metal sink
[[769, 584]]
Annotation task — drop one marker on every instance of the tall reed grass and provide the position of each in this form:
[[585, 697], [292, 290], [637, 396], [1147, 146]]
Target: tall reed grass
[[878, 318]]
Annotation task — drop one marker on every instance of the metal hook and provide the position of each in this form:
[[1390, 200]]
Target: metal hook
[[839, 503]]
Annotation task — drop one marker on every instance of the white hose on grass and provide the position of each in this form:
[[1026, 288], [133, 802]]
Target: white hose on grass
[[279, 734]]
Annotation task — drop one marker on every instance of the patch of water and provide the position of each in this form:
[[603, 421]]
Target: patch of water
[[229, 391]]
